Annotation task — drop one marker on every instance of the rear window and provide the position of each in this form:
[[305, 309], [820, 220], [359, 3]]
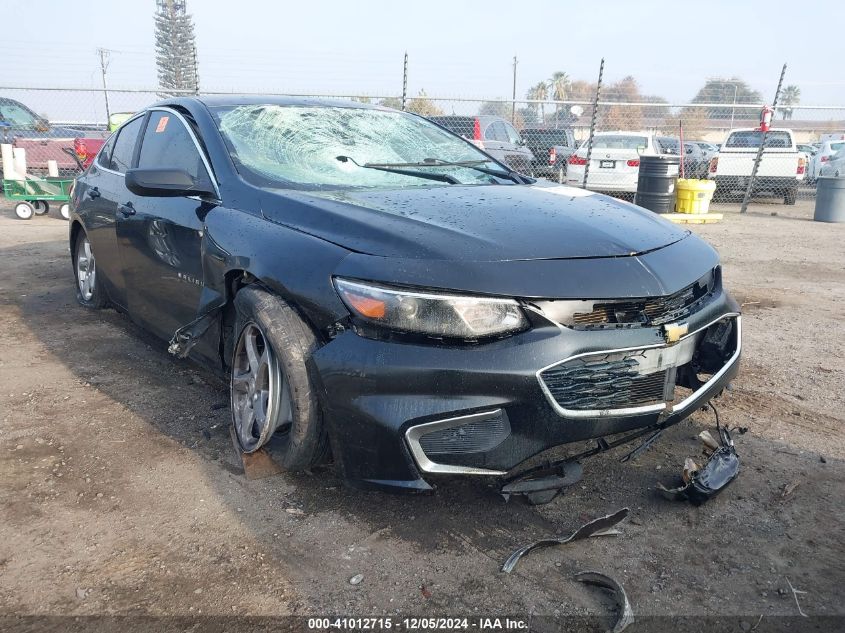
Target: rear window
[[837, 146], [460, 125], [753, 138], [620, 142], [545, 137]]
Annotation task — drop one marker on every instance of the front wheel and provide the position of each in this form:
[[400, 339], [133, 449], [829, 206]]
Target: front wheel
[[64, 210], [271, 394]]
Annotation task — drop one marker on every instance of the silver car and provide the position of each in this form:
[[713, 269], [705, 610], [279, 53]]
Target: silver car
[[834, 166], [493, 135]]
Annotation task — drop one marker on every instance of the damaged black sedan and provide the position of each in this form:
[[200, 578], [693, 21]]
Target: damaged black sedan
[[380, 292]]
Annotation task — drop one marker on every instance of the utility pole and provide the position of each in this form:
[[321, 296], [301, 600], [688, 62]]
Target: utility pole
[[104, 64], [513, 102]]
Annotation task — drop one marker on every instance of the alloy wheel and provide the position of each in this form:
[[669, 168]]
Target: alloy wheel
[[86, 269], [260, 393]]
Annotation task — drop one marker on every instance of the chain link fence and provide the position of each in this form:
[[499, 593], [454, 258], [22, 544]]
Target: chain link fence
[[715, 137]]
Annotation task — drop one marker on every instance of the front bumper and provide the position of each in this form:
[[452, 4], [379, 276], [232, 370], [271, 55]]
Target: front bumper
[[381, 399]]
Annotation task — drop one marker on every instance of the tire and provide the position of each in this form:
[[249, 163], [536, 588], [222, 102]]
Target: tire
[[64, 211], [287, 412], [41, 207], [24, 210], [790, 196], [89, 287]]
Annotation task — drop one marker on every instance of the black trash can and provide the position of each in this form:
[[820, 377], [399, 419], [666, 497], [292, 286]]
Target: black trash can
[[657, 181]]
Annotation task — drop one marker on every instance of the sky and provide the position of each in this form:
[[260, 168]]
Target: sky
[[456, 48]]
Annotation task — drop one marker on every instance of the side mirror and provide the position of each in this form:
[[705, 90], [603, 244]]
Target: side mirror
[[42, 125], [165, 182]]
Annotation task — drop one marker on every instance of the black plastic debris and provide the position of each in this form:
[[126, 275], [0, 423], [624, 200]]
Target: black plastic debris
[[626, 613], [720, 470], [596, 527], [539, 490]]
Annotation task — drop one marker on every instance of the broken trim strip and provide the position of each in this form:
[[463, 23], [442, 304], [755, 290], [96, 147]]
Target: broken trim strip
[[596, 527]]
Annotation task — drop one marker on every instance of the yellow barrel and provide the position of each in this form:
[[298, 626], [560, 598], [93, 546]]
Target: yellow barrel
[[693, 196]]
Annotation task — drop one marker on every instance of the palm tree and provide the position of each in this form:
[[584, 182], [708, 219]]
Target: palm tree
[[791, 97], [559, 83], [540, 93]]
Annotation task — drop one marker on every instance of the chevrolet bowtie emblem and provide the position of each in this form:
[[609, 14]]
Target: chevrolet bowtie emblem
[[673, 332]]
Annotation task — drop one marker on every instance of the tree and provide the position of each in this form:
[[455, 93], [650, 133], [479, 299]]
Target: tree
[[422, 105], [495, 108], [391, 102], [728, 91], [540, 93], [790, 97], [622, 117], [176, 49], [559, 85], [694, 120]]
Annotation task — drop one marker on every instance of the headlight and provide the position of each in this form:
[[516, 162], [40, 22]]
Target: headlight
[[442, 315]]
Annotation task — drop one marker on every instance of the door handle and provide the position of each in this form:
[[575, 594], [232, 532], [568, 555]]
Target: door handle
[[94, 193], [126, 209]]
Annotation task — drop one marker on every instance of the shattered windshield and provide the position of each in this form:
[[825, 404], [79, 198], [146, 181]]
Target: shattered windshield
[[298, 147]]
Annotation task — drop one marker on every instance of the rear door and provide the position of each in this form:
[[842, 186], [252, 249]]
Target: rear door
[[161, 237], [519, 156], [496, 140], [102, 186]]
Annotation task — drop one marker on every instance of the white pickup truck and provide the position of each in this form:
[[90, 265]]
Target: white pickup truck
[[782, 167]]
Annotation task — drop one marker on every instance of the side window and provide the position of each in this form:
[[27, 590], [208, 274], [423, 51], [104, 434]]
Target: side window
[[168, 144], [124, 146], [513, 135], [496, 132], [104, 157]]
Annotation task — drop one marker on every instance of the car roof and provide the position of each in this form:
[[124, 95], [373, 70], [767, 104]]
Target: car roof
[[238, 100]]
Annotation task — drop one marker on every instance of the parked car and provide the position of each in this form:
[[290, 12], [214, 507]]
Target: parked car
[[551, 147], [43, 141], [782, 167], [820, 159], [494, 135], [834, 166], [808, 149], [615, 160], [374, 286], [696, 161]]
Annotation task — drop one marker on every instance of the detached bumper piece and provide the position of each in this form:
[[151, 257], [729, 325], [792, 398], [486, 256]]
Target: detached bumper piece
[[701, 484], [720, 470]]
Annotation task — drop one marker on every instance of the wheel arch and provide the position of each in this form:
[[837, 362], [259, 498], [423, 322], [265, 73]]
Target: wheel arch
[[234, 280], [75, 228]]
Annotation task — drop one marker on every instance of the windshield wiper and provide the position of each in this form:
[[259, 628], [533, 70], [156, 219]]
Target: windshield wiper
[[397, 168], [471, 164]]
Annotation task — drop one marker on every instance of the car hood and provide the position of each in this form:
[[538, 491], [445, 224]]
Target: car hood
[[475, 223]]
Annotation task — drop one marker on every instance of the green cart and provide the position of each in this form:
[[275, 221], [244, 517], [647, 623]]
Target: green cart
[[36, 194]]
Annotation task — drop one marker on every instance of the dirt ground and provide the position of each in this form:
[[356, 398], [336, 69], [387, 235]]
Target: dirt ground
[[121, 493]]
